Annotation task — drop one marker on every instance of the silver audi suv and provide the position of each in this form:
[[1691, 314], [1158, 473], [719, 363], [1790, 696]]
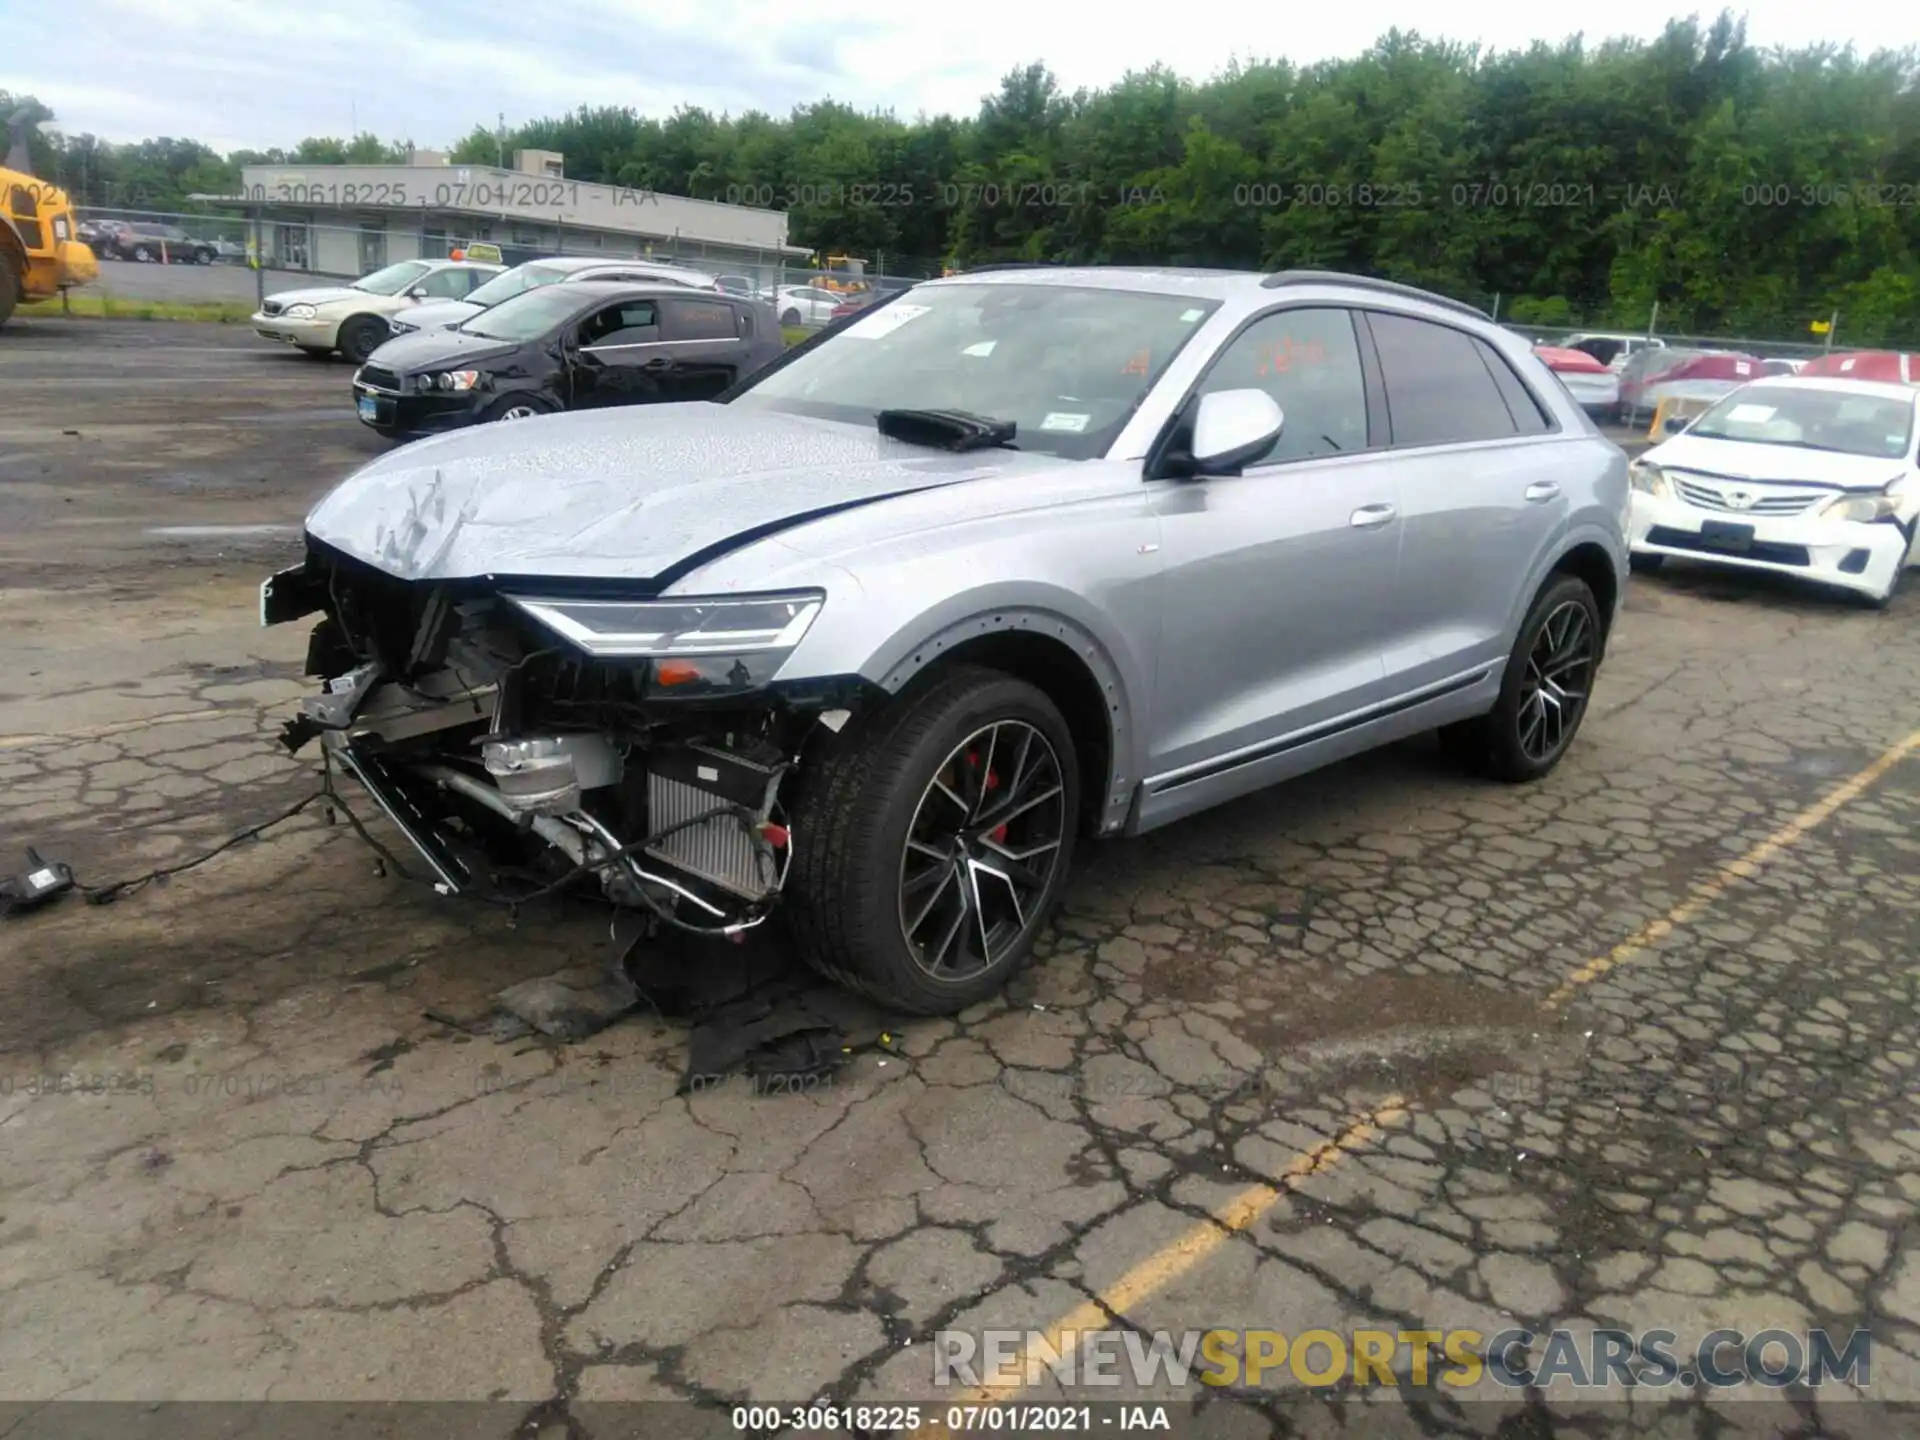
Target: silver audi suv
[[1006, 562]]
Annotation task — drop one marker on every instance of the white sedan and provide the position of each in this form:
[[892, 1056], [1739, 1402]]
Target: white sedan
[[805, 305], [1818, 478], [353, 318]]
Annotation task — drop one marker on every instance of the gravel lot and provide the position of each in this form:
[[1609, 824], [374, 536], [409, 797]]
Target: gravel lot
[[1386, 1046]]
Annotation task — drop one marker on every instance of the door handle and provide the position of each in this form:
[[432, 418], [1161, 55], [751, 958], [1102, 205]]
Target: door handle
[[658, 364], [1372, 517], [1541, 490]]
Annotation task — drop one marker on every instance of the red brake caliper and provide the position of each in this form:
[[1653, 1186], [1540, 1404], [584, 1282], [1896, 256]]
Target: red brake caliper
[[999, 832]]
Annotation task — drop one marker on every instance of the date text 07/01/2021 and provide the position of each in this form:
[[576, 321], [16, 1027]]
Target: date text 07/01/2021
[[981, 1419]]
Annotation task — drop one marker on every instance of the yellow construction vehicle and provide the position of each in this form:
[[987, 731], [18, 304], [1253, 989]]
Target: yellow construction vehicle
[[842, 274], [40, 254]]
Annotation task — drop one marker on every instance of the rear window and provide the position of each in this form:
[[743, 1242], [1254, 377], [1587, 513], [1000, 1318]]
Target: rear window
[[699, 320], [1439, 390]]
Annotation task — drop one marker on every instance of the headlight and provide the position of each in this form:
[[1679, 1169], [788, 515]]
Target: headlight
[[1648, 479], [456, 380], [1865, 508], [631, 629], [301, 312]]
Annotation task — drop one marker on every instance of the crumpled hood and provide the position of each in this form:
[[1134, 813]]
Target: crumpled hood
[[1780, 464], [321, 295], [624, 494]]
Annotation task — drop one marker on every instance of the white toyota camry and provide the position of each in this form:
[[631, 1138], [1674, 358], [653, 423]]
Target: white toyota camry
[[1809, 477]]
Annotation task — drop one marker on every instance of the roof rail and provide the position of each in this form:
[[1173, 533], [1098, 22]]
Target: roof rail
[[1011, 265], [1284, 278]]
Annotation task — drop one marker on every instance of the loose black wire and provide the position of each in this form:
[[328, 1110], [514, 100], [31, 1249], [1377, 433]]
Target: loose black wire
[[107, 894]]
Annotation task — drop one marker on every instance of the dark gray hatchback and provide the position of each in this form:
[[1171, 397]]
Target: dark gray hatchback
[[582, 346]]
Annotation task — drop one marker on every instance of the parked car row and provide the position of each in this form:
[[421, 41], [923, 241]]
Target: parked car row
[[151, 243]]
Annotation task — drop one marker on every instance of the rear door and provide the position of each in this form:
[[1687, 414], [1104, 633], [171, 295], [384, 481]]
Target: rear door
[[616, 356], [1478, 500], [704, 337]]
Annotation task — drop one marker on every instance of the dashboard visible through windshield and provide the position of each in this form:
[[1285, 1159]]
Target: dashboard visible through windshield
[[1067, 365]]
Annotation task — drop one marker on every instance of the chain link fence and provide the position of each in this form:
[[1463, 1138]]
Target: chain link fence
[[246, 258]]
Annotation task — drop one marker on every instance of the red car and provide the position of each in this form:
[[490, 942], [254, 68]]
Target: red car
[[1894, 366], [1673, 372]]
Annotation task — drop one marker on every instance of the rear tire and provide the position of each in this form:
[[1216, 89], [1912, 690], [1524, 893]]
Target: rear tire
[[142, 253], [361, 336], [882, 899], [790, 320], [1545, 692]]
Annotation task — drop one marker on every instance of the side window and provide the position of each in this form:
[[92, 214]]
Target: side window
[[1528, 417], [26, 212], [698, 320], [1308, 360], [1438, 391], [631, 322], [443, 284]]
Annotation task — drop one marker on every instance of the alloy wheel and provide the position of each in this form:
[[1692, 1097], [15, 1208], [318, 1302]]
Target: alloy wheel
[[1558, 676], [981, 850], [518, 412]]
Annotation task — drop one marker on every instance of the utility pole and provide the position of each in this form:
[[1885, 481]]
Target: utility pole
[[500, 141]]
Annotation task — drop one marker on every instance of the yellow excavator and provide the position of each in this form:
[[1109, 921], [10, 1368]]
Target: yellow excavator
[[841, 274], [40, 252]]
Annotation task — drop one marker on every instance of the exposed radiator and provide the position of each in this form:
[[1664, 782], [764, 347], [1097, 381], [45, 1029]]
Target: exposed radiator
[[724, 849]]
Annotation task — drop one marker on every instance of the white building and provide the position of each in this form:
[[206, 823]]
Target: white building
[[349, 219]]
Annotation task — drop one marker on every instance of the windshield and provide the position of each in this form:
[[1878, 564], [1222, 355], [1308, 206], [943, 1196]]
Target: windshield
[[527, 316], [1067, 365], [516, 282], [393, 279], [1813, 418]]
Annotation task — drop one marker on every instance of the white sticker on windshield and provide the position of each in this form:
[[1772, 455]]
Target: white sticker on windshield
[[1191, 315], [984, 347], [1846, 364], [885, 322], [1751, 414], [1059, 420]]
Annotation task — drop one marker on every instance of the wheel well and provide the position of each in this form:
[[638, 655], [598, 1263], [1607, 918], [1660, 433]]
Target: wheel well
[[1052, 667], [1592, 564]]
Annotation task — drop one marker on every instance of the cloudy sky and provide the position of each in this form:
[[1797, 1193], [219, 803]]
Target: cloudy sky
[[270, 72]]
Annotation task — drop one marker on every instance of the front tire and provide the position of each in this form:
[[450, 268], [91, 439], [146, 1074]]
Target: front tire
[[10, 284], [1545, 692], [932, 840], [361, 336], [515, 407], [142, 253]]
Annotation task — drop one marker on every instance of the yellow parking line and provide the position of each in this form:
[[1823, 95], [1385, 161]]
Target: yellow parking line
[[1245, 1209], [1199, 1241], [1744, 868], [96, 732]]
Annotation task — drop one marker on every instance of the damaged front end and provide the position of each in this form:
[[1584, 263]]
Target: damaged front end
[[522, 739]]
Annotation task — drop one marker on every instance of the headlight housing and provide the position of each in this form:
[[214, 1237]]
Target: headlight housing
[[1863, 508], [1647, 479], [301, 312], [700, 646], [455, 381]]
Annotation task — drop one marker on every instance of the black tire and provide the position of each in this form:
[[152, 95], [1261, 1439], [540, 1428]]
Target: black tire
[[203, 256], [142, 253], [1503, 744], [508, 406], [1645, 564], [10, 283], [361, 336], [790, 320], [860, 800]]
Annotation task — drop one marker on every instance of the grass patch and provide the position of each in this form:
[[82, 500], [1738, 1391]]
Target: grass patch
[[793, 335], [114, 307]]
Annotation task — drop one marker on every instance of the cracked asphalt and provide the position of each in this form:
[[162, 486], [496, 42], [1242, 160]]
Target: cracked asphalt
[[1385, 1048]]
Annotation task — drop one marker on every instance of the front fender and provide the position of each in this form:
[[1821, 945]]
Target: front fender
[[928, 638]]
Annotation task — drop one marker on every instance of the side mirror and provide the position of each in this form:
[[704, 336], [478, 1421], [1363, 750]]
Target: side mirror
[[1233, 429], [418, 292]]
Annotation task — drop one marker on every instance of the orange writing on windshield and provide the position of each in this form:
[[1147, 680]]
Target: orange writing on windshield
[[1281, 356], [1138, 364]]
